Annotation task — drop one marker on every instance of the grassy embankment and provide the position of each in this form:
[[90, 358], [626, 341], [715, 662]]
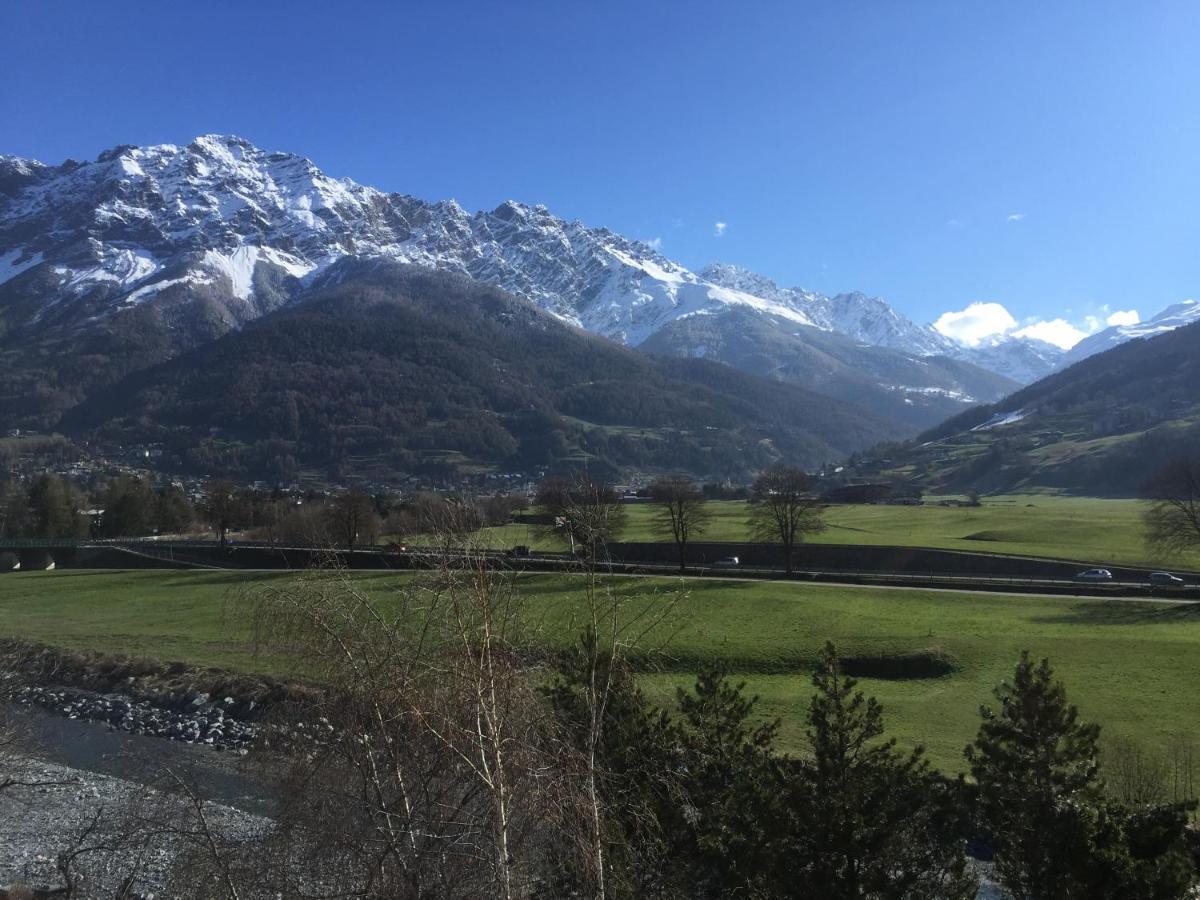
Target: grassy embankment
[[1130, 666], [1090, 530]]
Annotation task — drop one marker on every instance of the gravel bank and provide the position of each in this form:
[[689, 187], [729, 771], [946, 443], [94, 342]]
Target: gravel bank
[[58, 809]]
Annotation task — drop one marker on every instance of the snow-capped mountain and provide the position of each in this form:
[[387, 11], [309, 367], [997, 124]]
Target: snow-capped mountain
[[1023, 359], [867, 320], [147, 252], [874, 322], [118, 231], [166, 247], [1175, 316]]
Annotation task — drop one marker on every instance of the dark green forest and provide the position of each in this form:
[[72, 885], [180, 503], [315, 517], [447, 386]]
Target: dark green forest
[[409, 370]]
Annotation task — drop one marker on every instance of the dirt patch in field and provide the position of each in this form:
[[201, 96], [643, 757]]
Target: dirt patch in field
[[932, 662]]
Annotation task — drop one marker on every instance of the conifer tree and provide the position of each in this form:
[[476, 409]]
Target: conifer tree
[[1040, 801], [730, 786], [1034, 763], [868, 820]]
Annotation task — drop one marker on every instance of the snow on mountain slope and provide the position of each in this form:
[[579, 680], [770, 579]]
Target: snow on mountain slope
[[14, 262], [874, 322], [211, 235], [1175, 316], [1022, 359], [868, 320], [221, 208]]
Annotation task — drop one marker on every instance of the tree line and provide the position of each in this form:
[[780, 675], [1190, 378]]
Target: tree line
[[783, 508], [126, 506]]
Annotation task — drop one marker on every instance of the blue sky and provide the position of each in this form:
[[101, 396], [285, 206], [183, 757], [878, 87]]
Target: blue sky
[[1041, 156]]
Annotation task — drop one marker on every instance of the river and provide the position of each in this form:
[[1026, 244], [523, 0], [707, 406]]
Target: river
[[224, 778]]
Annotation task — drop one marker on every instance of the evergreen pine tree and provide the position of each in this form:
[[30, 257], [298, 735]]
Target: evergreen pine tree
[[1040, 801], [730, 784], [868, 820], [1035, 766]]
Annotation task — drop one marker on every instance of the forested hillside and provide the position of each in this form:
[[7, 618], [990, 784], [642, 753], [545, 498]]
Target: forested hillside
[[1098, 427], [399, 369]]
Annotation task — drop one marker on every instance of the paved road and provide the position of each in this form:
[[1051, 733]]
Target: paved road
[[1170, 601], [747, 579]]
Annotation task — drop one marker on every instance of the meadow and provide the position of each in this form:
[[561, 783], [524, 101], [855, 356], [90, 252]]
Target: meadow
[[1085, 529], [1130, 666]]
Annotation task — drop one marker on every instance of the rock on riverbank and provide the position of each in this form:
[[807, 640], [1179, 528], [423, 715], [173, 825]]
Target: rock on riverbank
[[192, 719]]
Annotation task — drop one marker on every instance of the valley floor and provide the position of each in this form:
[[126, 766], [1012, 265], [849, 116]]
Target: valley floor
[[934, 656], [1090, 530]]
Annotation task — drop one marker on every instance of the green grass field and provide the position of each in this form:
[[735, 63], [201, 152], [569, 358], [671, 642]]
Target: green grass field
[[1096, 531], [1130, 666]]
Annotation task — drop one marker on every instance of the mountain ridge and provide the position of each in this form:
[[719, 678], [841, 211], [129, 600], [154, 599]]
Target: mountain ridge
[[395, 369], [148, 252]]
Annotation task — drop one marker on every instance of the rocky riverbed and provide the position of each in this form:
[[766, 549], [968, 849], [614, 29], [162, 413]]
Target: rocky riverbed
[[194, 718]]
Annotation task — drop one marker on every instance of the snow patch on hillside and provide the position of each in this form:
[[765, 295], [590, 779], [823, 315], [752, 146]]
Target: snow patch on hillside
[[12, 264], [1002, 418], [142, 294]]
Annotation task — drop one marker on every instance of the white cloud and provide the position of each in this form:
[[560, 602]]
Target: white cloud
[[976, 322], [1058, 332], [677, 223], [1015, 217], [719, 228], [953, 223], [984, 321], [655, 242], [1126, 317]]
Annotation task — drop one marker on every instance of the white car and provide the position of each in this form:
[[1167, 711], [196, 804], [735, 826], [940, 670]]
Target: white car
[[727, 562], [1094, 575]]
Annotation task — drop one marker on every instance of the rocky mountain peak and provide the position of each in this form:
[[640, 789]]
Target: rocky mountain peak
[[248, 228]]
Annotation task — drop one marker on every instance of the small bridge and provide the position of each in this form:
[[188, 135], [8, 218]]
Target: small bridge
[[38, 554]]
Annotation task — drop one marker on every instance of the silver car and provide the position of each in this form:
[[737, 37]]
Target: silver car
[[1094, 575], [1165, 579]]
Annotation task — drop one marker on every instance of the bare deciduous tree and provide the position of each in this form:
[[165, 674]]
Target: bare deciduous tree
[[1173, 515], [783, 509], [682, 511], [221, 507], [612, 627], [438, 771], [1183, 768], [588, 510], [1132, 774], [354, 519]]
